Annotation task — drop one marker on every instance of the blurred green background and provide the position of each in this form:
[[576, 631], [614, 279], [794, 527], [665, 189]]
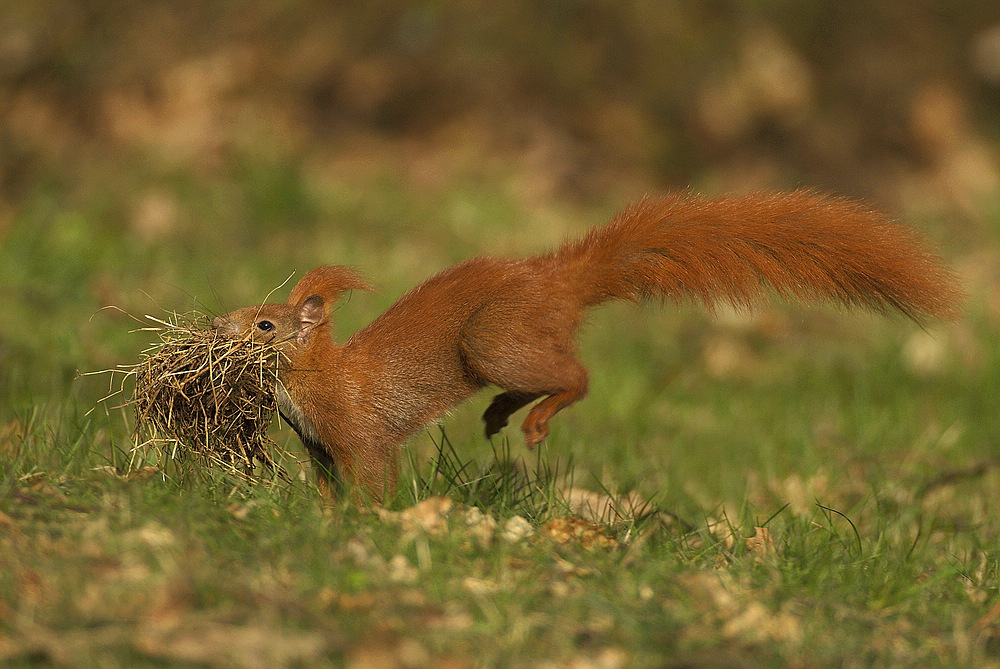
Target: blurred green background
[[162, 156]]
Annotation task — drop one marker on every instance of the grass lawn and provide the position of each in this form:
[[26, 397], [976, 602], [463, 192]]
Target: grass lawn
[[800, 487]]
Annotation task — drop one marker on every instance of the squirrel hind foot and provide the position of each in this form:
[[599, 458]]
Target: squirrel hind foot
[[536, 424], [500, 409], [535, 432]]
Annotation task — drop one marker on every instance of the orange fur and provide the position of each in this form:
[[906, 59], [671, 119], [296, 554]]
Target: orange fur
[[512, 323]]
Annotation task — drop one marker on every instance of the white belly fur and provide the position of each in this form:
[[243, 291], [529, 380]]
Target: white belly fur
[[293, 413]]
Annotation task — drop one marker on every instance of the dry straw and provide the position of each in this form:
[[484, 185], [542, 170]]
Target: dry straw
[[202, 398]]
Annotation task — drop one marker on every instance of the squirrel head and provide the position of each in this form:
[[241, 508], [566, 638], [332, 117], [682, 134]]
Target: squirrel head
[[306, 312]]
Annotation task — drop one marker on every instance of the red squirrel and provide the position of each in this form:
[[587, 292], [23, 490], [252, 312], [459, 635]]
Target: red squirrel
[[512, 323]]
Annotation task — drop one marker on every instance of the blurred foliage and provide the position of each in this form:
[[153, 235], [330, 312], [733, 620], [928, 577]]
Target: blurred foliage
[[855, 96]]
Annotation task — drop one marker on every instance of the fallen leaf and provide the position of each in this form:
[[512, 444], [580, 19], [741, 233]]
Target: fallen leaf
[[517, 528], [482, 526], [140, 474], [401, 571], [605, 658], [756, 623], [991, 617], [479, 586], [383, 652], [213, 644], [760, 544], [589, 535], [429, 515], [599, 507], [11, 437]]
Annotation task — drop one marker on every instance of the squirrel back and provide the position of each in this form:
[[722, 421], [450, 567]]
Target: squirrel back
[[512, 323]]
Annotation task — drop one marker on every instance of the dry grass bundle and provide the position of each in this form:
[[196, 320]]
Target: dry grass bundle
[[204, 398]]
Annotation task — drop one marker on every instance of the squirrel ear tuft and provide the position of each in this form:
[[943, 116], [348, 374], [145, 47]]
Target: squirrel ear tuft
[[328, 282]]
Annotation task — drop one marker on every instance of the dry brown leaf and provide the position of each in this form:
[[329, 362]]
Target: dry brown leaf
[[401, 571], [760, 545], [517, 528], [568, 568], [589, 535], [138, 474], [482, 526], [479, 586], [756, 623], [213, 644], [429, 515], [990, 619], [383, 652], [11, 436], [599, 507], [605, 658], [359, 601], [741, 616]]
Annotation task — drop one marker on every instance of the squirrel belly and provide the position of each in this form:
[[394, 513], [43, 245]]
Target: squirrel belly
[[513, 323]]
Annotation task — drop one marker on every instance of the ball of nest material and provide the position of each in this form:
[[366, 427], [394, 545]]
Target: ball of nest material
[[206, 398]]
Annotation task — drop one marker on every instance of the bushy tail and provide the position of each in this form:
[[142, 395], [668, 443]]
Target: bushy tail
[[738, 249]]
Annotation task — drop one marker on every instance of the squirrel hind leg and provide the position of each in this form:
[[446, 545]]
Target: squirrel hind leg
[[558, 378], [574, 388], [528, 359], [503, 405]]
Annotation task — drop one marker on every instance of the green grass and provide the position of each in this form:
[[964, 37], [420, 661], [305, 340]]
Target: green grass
[[873, 475]]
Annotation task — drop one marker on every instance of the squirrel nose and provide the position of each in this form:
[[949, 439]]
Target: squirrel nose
[[225, 327]]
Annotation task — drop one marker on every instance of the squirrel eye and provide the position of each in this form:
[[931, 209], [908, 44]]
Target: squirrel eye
[[265, 326]]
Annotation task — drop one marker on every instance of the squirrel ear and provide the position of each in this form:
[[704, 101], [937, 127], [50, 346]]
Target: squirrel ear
[[328, 283], [311, 314]]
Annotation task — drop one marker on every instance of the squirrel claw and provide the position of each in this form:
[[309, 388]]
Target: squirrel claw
[[534, 433], [494, 423]]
